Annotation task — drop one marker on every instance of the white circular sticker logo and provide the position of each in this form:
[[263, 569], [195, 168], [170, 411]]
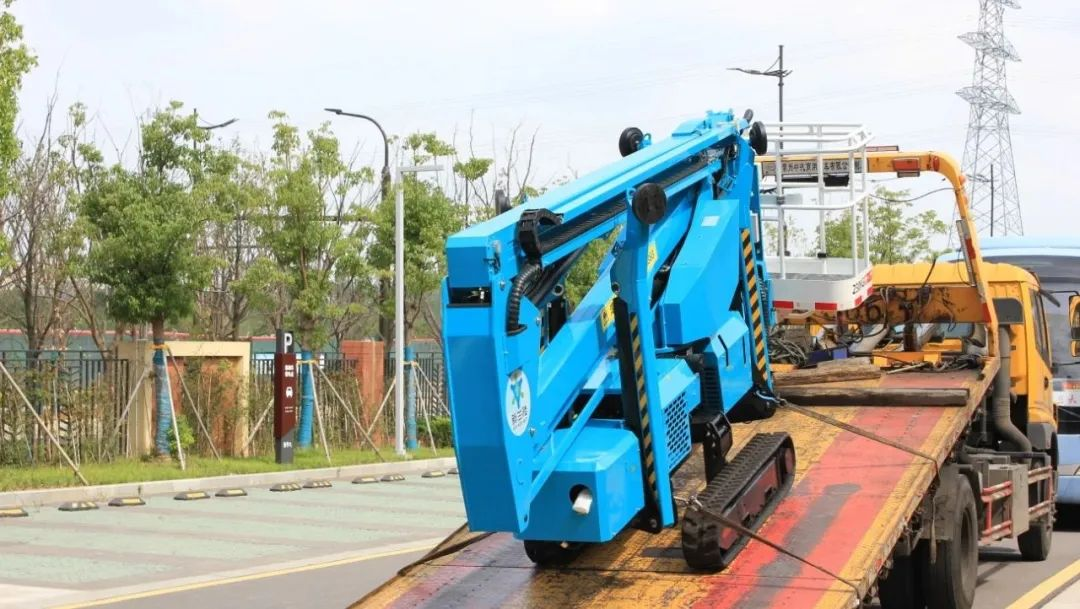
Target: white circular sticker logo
[[517, 402]]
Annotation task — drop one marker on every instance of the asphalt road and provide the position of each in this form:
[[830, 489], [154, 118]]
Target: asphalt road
[[311, 548], [53, 558], [1003, 578], [337, 586]]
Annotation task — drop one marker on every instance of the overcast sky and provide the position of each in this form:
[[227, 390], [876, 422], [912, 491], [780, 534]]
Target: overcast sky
[[577, 70]]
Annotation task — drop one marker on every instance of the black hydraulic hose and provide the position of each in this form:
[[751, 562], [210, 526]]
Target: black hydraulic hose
[[1000, 405], [513, 306], [551, 277]]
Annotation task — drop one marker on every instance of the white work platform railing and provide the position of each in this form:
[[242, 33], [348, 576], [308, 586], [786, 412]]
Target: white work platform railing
[[825, 161]]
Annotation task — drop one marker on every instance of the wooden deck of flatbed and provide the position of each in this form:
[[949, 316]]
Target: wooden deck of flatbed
[[850, 500]]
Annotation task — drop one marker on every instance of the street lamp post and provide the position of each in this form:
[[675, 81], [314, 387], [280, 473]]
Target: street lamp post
[[399, 304], [384, 188], [235, 313], [399, 272]]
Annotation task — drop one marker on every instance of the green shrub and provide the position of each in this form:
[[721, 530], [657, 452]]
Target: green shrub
[[440, 430], [187, 435]]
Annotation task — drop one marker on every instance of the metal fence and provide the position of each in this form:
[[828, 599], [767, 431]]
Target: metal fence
[[337, 386], [431, 398], [78, 394]]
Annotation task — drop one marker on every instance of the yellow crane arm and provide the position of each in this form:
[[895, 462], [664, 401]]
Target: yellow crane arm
[[912, 164]]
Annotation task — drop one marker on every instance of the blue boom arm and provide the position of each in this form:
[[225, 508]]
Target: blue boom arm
[[568, 427]]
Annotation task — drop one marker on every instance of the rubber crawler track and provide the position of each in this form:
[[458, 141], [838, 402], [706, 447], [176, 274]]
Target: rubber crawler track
[[703, 536]]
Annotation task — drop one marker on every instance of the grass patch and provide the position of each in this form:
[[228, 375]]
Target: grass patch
[[140, 470]]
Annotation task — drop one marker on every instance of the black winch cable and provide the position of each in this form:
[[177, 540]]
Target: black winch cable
[[740, 529], [824, 418]]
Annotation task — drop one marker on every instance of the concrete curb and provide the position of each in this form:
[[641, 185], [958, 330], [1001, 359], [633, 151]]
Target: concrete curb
[[40, 497]]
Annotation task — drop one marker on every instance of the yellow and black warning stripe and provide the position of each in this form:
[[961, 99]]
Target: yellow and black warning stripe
[[757, 321], [643, 407]]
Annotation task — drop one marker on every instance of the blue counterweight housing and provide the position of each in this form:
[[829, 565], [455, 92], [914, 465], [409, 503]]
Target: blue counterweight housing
[[568, 427]]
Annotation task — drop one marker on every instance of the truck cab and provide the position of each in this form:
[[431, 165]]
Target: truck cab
[[1021, 306], [1055, 263]]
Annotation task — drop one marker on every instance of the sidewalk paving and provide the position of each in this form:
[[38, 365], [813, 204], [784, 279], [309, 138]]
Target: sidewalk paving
[[1068, 599], [53, 557], [104, 492]]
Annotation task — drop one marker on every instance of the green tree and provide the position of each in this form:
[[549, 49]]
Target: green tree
[[471, 172], [232, 186], [16, 60], [430, 217], [314, 223], [586, 271], [144, 224], [84, 166], [896, 234]]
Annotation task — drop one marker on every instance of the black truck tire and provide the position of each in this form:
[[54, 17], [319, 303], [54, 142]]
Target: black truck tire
[[1035, 542], [950, 579], [902, 589]]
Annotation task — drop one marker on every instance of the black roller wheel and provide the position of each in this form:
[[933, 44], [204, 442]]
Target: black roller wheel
[[630, 141], [1035, 542], [650, 203], [950, 579], [902, 588], [758, 140], [552, 553]]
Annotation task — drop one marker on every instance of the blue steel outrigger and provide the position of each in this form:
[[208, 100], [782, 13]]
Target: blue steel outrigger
[[568, 426]]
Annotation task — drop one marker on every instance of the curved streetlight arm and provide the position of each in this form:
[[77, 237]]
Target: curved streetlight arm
[[386, 144]]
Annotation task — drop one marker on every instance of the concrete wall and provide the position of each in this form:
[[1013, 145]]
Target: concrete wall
[[141, 414]]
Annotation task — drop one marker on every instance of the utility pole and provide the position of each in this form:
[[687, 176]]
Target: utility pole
[[780, 81], [777, 71]]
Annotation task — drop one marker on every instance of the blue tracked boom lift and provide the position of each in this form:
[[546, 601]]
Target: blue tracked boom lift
[[568, 427]]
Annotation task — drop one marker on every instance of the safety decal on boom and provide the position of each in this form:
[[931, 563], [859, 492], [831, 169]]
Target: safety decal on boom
[[756, 321], [643, 407]]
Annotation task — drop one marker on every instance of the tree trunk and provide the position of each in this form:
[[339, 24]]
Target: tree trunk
[[162, 393], [236, 317]]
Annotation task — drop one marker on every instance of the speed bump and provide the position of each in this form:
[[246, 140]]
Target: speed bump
[[12, 512], [365, 480], [192, 496], [78, 506], [231, 492], [318, 484], [392, 478], [436, 473], [452, 471], [285, 487], [126, 501]]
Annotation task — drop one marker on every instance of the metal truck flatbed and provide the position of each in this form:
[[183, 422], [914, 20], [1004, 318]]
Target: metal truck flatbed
[[851, 499]]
